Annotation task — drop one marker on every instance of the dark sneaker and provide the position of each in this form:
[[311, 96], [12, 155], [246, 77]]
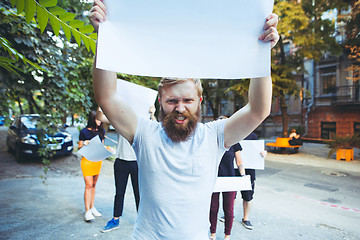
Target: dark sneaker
[[247, 224], [111, 225]]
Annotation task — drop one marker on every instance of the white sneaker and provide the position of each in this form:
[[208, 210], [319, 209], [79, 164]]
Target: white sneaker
[[95, 212], [89, 216], [212, 237]]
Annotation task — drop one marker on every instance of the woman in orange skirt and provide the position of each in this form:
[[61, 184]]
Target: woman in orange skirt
[[90, 169]]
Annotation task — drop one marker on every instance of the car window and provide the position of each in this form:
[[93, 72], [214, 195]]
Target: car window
[[29, 122], [16, 122]]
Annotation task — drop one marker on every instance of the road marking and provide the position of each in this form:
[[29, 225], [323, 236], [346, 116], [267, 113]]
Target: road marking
[[328, 204]]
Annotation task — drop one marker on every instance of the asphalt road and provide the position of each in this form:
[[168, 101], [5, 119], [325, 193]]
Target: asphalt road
[[299, 196]]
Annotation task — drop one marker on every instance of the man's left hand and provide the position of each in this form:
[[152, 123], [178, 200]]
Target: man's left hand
[[271, 34]]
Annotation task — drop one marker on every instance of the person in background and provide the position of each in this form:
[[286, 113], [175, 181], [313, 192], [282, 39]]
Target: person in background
[[226, 169], [294, 138], [247, 195], [125, 164], [90, 170]]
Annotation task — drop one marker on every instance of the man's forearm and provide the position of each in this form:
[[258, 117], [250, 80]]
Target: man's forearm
[[104, 83], [260, 94]]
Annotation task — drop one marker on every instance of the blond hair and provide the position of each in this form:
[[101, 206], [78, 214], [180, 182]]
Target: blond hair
[[167, 81]]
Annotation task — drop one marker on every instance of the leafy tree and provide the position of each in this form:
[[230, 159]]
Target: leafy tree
[[54, 76], [60, 65], [215, 91], [352, 44], [302, 27]]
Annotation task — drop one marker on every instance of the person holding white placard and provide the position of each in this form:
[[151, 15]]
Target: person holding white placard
[[178, 157], [226, 169], [247, 195], [125, 164], [90, 170]]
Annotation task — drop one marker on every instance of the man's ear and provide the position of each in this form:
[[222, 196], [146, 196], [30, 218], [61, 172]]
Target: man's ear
[[201, 98], [159, 99]]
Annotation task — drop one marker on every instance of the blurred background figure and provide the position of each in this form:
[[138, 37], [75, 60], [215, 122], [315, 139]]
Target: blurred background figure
[[226, 169], [294, 138], [90, 170]]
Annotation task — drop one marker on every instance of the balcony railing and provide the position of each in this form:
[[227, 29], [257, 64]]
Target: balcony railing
[[347, 95]]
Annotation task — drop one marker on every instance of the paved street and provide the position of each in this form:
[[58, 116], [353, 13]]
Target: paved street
[[298, 196]]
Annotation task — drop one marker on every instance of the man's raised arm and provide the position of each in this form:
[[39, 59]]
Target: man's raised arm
[[244, 121], [122, 117]]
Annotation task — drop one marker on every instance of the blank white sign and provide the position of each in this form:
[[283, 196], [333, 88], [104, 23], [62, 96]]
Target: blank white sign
[[187, 38], [229, 184]]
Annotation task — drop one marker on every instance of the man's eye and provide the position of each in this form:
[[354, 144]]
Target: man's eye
[[172, 101], [188, 100]]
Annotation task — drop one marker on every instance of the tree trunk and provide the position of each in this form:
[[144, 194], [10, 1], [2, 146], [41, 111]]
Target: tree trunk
[[18, 100], [283, 106], [284, 117], [33, 107], [213, 104]]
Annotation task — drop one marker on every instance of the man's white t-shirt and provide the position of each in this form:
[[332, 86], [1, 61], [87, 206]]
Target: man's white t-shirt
[[124, 151], [176, 181]]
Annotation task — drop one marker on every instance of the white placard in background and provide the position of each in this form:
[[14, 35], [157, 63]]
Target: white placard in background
[[95, 150], [187, 38], [251, 154], [137, 97], [229, 184]]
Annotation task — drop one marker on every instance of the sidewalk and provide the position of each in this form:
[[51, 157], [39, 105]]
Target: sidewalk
[[316, 155]]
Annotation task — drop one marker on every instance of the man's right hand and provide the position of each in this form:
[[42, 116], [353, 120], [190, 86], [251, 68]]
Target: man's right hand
[[97, 14]]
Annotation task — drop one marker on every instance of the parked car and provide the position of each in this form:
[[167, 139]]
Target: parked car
[[23, 141], [2, 120]]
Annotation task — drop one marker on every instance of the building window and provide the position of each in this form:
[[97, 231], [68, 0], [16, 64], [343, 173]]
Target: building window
[[357, 128], [328, 130], [208, 110], [223, 108], [328, 80]]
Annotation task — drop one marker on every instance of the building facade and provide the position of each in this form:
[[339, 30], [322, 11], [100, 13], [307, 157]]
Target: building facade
[[329, 102]]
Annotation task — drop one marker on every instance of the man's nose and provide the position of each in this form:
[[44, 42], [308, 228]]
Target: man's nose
[[180, 107]]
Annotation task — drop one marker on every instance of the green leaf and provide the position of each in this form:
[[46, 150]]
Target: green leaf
[[30, 9], [86, 29], [7, 64], [66, 30], [55, 24], [76, 35], [76, 23], [42, 17], [93, 36], [20, 5], [93, 46], [7, 60], [15, 54], [12, 3], [86, 41], [66, 17], [57, 10], [48, 3]]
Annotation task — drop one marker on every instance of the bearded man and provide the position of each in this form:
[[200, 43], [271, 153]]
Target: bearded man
[[178, 158]]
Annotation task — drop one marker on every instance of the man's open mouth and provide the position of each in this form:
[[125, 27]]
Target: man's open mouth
[[180, 119]]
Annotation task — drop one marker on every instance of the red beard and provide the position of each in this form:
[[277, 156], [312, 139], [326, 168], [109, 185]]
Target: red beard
[[179, 132]]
